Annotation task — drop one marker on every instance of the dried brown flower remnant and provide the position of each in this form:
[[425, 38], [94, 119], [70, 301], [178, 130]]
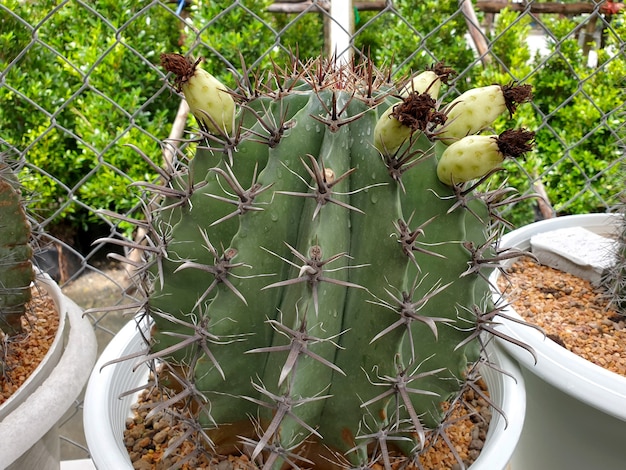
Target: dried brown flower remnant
[[444, 72], [180, 66], [418, 111], [515, 95], [515, 142]]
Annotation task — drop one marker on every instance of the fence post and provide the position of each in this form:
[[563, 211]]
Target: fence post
[[473, 26], [341, 29]]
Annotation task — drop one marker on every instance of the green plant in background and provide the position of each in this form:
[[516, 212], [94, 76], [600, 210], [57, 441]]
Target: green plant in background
[[575, 114], [319, 269], [422, 33], [222, 31], [89, 59], [16, 270], [87, 93]]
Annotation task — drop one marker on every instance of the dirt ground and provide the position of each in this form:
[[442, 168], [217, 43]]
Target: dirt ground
[[101, 287]]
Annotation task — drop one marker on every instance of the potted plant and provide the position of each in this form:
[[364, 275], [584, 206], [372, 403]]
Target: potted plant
[[316, 274], [564, 390], [108, 402], [28, 418]]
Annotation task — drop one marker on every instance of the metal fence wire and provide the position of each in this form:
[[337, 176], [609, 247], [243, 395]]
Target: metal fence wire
[[80, 84]]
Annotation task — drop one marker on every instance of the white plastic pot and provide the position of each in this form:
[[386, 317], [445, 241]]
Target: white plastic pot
[[29, 437], [105, 413], [576, 410]]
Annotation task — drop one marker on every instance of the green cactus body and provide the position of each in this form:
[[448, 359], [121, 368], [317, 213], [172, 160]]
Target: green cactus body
[[444, 234], [372, 245], [339, 305], [16, 271], [182, 225], [314, 307]]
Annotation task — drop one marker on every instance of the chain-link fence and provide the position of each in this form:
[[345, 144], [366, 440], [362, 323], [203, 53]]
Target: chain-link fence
[[80, 85]]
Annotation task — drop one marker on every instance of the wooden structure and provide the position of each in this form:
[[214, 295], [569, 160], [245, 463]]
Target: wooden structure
[[494, 6]]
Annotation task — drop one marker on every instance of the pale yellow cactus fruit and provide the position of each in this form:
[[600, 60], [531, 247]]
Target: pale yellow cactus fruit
[[425, 82], [207, 97], [475, 156], [477, 109], [390, 133], [469, 158]]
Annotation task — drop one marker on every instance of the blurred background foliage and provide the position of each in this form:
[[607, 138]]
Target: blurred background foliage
[[83, 80]]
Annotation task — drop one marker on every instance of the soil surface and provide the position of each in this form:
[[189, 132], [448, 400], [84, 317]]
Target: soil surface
[[21, 355], [570, 310], [147, 438]]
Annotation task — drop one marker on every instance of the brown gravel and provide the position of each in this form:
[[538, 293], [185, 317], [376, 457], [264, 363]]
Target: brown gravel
[[146, 440], [570, 310], [23, 354]]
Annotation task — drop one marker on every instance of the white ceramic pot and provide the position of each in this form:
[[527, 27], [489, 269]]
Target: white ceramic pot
[[29, 434], [105, 413], [576, 410]]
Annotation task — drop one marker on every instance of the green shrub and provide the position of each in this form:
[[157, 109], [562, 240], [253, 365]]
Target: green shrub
[[93, 84], [247, 29], [82, 90], [575, 112], [421, 34]]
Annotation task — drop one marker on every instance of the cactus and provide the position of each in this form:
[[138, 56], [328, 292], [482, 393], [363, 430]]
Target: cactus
[[614, 278], [314, 284], [16, 271]]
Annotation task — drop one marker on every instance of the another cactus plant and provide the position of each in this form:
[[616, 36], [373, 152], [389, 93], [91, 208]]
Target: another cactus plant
[[614, 279], [16, 271], [317, 276]]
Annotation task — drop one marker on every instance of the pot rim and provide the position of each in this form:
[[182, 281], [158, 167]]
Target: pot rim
[[42, 409], [570, 373]]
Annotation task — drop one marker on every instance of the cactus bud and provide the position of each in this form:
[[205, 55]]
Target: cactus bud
[[475, 156], [478, 108], [428, 81], [207, 97]]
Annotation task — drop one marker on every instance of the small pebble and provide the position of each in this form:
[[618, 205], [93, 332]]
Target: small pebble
[[142, 465]]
